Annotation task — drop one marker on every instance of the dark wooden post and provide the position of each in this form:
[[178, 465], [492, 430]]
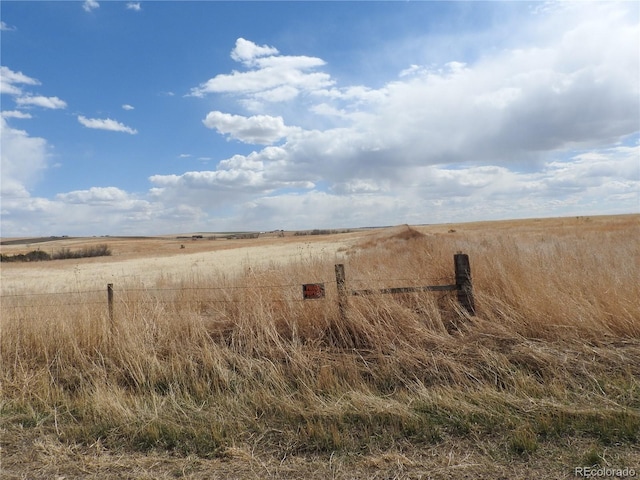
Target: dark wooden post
[[463, 282], [342, 291], [110, 303]]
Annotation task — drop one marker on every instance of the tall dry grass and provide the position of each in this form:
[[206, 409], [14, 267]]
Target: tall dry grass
[[204, 364]]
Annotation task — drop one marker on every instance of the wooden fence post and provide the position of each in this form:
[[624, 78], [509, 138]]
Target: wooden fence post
[[110, 303], [342, 291], [463, 282]]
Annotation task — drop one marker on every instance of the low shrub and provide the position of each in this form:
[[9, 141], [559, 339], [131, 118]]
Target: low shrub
[[33, 256], [93, 251], [62, 254]]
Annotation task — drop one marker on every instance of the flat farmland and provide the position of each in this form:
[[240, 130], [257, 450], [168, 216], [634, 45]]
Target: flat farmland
[[147, 260], [213, 366], [152, 260]]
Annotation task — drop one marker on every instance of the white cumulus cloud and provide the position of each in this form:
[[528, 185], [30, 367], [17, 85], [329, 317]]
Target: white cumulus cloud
[[90, 5], [271, 77], [246, 51], [5, 27], [258, 129], [9, 81], [96, 195], [41, 101], [15, 114], [23, 159], [105, 124]]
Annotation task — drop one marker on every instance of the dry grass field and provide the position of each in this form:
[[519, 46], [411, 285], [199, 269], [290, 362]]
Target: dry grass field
[[213, 366]]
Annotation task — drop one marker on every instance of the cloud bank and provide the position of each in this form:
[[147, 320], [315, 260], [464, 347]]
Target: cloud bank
[[547, 128]]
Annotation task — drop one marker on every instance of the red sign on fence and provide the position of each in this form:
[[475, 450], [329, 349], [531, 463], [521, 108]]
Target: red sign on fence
[[312, 290]]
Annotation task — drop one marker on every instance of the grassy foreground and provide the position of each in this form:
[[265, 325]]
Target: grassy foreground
[[237, 377]]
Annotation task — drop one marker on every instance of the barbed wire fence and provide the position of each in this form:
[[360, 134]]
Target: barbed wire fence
[[236, 294]]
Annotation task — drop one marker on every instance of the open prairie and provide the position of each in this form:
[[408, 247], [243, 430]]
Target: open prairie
[[152, 260], [209, 363]]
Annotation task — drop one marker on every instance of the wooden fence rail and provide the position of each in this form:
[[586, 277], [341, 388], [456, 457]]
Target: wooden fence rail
[[463, 286]]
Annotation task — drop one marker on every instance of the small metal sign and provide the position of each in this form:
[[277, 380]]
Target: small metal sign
[[312, 290]]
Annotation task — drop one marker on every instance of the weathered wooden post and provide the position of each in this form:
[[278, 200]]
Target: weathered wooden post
[[342, 291], [110, 304], [463, 282]]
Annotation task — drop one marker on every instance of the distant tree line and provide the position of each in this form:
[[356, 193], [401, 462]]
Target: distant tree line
[[320, 232], [63, 253]]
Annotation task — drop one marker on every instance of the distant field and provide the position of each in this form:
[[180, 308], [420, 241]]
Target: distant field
[[149, 260], [213, 366]]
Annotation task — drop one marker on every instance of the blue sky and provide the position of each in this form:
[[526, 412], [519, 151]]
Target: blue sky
[[144, 118]]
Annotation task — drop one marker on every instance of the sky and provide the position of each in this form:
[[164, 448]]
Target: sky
[[157, 117]]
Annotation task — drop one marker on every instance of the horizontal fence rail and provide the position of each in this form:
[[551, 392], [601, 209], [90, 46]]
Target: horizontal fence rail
[[463, 286], [428, 288]]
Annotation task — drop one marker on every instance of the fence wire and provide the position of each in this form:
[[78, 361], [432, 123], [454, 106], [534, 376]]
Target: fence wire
[[226, 287], [7, 303]]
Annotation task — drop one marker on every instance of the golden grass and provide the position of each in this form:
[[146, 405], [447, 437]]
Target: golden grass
[[237, 368]]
